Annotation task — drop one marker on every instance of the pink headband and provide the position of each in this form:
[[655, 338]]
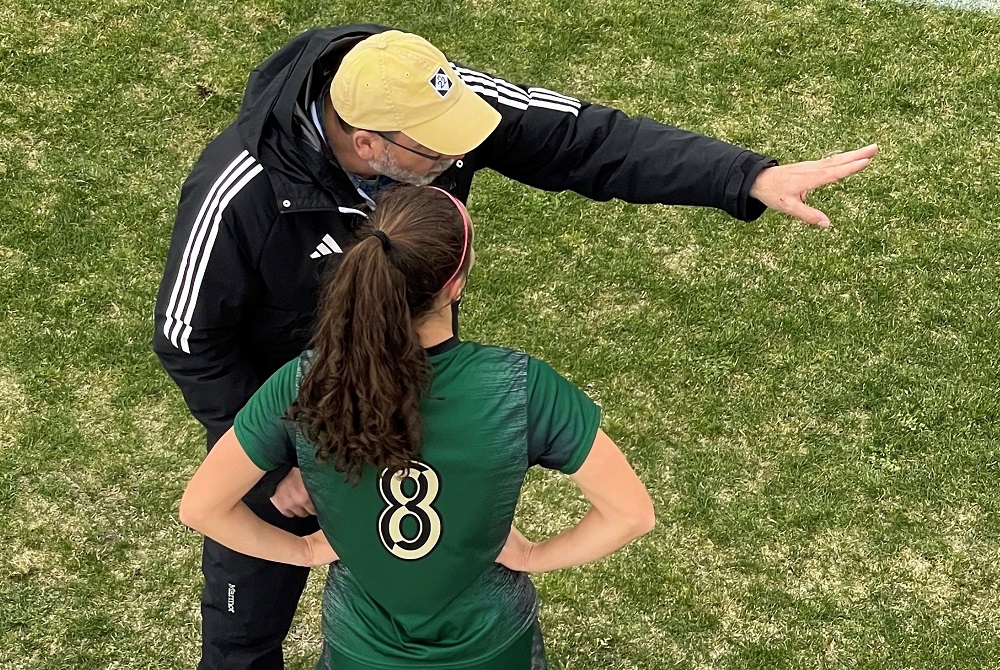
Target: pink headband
[[465, 234]]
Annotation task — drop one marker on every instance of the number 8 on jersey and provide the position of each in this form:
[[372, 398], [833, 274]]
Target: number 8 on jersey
[[409, 527]]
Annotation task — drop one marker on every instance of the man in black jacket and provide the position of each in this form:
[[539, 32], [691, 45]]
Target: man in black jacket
[[266, 212]]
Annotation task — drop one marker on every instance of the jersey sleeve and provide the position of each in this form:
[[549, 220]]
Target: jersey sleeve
[[562, 420], [266, 437]]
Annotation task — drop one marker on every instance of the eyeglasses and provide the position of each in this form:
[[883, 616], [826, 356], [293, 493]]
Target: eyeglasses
[[430, 157]]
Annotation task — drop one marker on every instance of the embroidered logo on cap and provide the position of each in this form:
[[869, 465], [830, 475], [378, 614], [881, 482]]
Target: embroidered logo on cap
[[441, 82]]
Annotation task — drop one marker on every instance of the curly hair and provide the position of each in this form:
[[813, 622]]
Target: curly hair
[[359, 402]]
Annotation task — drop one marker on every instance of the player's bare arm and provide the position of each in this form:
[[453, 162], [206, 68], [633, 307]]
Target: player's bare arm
[[621, 510], [212, 505]]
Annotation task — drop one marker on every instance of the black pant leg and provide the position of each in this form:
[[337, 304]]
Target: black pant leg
[[248, 604], [538, 658]]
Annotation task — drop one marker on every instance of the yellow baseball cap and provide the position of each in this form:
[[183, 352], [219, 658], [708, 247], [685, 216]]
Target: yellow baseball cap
[[396, 81]]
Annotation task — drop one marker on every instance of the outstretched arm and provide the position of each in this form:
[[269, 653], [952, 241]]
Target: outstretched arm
[[556, 142]]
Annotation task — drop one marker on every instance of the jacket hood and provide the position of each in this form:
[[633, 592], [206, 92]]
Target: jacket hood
[[276, 94]]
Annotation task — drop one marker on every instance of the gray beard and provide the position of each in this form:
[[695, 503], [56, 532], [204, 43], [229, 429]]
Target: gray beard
[[386, 165]]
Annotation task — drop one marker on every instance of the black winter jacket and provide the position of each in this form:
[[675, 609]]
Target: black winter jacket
[[264, 214]]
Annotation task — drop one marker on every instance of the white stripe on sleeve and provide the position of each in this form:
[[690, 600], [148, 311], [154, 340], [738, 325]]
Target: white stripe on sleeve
[[216, 220], [196, 234], [554, 105], [514, 96], [552, 95], [492, 93], [196, 252]]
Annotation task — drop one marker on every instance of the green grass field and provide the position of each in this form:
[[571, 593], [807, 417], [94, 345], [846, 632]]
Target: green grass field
[[814, 412]]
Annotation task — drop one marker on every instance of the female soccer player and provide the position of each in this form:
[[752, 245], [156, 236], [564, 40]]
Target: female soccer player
[[413, 447]]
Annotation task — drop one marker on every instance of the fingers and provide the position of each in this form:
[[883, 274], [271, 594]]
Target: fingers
[[300, 512], [784, 188], [834, 173], [291, 508], [806, 214], [851, 156]]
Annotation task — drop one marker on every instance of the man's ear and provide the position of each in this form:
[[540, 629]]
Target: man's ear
[[364, 144]]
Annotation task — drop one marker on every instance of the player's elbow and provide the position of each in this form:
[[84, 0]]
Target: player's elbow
[[188, 517], [191, 513], [633, 517], [643, 517]]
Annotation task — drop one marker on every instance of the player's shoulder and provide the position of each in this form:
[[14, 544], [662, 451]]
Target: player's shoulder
[[492, 354], [473, 364], [470, 352], [481, 372]]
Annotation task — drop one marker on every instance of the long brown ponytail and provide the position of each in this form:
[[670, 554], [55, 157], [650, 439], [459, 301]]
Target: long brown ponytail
[[359, 403]]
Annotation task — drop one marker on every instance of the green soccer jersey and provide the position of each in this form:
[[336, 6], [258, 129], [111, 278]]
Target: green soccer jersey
[[417, 585]]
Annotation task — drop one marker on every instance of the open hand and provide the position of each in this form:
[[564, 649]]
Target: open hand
[[785, 187]]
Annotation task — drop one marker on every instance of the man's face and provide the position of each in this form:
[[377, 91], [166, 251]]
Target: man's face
[[401, 161]]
